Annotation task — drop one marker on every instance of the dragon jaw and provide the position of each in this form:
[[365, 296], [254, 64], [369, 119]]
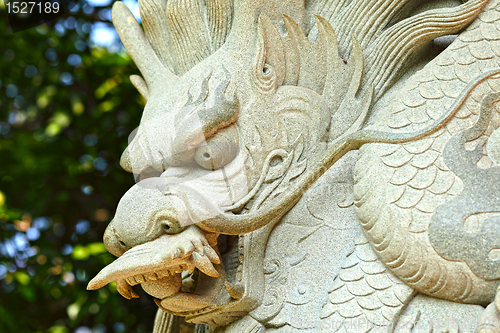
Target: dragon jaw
[[157, 265]]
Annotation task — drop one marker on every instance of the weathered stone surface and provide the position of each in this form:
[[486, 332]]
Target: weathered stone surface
[[313, 166]]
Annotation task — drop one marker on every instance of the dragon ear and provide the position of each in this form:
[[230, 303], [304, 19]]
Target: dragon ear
[[269, 61]]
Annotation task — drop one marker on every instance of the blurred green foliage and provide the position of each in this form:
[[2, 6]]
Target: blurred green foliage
[[66, 110]]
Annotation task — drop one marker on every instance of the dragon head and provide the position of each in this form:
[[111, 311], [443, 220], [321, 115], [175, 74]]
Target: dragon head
[[224, 140]]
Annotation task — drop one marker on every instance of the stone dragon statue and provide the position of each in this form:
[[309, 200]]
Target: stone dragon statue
[[313, 165]]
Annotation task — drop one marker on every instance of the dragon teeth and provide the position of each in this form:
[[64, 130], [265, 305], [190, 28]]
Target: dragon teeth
[[151, 277], [131, 281], [162, 274], [139, 278], [174, 270]]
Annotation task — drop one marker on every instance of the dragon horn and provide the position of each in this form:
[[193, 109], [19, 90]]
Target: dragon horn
[[137, 45]]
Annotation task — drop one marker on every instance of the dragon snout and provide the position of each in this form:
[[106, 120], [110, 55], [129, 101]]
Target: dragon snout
[[143, 214], [112, 243], [125, 162]]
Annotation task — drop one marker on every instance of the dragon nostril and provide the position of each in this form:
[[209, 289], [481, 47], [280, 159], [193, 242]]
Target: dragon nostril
[[206, 155], [113, 242]]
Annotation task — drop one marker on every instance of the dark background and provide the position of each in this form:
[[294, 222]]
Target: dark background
[[66, 109]]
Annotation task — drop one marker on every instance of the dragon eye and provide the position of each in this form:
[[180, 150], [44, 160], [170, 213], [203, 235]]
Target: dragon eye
[[170, 227], [219, 150]]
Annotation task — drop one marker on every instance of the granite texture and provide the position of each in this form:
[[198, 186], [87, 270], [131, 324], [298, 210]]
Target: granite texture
[[313, 166]]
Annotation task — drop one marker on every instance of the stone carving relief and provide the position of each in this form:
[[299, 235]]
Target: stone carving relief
[[313, 165]]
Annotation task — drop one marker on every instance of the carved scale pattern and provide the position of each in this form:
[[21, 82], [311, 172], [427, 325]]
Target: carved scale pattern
[[363, 290], [398, 187]]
